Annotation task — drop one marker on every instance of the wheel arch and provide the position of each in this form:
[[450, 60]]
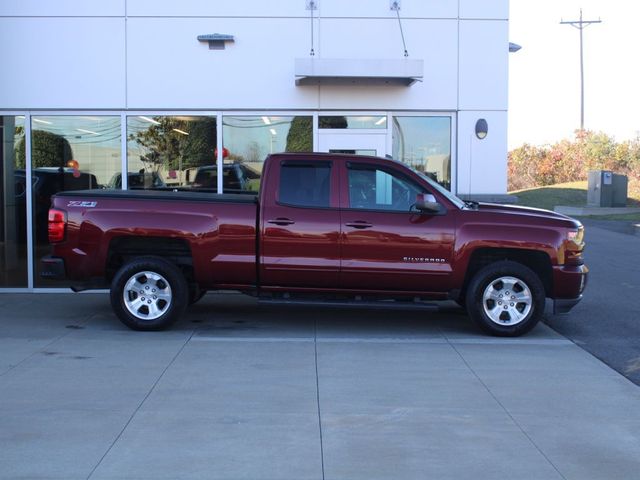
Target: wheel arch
[[126, 248], [537, 261]]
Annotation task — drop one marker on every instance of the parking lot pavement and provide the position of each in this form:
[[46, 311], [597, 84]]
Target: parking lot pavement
[[242, 391], [606, 322]]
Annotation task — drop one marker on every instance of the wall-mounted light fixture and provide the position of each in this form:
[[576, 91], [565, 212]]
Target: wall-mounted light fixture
[[216, 40], [481, 128], [514, 47]]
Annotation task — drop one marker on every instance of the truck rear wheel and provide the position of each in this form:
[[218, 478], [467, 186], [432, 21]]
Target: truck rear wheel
[[149, 293], [505, 299]]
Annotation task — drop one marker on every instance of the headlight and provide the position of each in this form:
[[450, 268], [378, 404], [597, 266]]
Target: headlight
[[574, 247], [576, 236]]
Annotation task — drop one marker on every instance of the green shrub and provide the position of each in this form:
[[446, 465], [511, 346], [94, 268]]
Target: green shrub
[[532, 166]]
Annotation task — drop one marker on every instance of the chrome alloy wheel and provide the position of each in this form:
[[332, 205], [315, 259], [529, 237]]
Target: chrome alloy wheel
[[507, 301], [147, 295]]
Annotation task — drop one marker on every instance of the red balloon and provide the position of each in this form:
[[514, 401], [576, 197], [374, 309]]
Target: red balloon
[[225, 152]]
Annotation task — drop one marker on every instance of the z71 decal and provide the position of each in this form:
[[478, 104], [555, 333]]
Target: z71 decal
[[80, 203]]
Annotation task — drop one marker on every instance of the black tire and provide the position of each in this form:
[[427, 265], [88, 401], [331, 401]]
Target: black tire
[[161, 280], [505, 299]]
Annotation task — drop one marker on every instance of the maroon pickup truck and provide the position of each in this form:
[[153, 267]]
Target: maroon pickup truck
[[338, 229]]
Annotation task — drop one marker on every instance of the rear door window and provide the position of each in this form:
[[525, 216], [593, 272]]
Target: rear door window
[[305, 184]]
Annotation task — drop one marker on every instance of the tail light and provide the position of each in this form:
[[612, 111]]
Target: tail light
[[57, 225]]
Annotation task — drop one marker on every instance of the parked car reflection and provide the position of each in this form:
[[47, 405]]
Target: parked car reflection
[[236, 178], [141, 180], [46, 182]]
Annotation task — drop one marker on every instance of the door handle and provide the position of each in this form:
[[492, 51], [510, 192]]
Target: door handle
[[359, 224], [281, 221]]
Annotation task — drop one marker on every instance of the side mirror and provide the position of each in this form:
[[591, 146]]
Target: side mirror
[[426, 202]]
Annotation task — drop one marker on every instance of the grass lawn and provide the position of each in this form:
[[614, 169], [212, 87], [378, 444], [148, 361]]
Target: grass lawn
[[572, 194]]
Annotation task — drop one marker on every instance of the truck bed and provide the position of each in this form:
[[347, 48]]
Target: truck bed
[[216, 232]]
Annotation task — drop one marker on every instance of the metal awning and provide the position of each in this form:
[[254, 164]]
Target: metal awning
[[346, 71]]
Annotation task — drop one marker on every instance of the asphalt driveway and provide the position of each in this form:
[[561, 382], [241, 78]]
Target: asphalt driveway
[[607, 322], [241, 391]]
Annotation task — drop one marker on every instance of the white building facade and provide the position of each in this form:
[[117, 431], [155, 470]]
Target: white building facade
[[124, 94]]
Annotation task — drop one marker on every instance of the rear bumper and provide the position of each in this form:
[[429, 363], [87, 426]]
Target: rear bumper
[[52, 268]]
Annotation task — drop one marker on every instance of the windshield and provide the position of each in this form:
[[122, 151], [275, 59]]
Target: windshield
[[436, 186]]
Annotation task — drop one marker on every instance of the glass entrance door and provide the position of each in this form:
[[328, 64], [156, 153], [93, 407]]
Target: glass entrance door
[[344, 141]]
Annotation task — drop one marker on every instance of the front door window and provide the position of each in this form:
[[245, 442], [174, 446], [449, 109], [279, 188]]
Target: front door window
[[376, 189]]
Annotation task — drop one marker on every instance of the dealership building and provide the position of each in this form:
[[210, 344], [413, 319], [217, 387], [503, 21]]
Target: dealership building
[[158, 94]]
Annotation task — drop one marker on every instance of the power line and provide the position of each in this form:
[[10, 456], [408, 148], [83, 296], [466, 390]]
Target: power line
[[581, 25]]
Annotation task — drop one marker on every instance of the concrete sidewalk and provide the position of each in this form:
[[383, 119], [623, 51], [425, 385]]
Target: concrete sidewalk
[[241, 391]]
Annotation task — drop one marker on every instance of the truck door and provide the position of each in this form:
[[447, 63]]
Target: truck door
[[387, 244], [300, 225]]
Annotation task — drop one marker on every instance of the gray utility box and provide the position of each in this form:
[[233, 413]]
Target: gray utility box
[[606, 189]]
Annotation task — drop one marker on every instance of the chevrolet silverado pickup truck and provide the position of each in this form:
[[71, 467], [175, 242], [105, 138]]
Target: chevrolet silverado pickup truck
[[338, 229]]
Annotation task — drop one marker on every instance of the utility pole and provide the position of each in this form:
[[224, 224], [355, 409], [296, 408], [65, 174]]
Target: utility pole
[[581, 25]]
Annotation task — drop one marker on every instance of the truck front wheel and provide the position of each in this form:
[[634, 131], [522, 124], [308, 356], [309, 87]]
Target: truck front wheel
[[505, 299], [149, 293]]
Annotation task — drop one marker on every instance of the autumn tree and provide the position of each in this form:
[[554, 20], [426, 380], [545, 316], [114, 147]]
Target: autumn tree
[[571, 160]]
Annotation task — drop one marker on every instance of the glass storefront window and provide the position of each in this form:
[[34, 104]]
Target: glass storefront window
[[424, 143], [174, 151], [249, 139], [68, 153], [13, 205], [353, 122]]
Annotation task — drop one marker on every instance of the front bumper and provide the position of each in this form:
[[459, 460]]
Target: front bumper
[[569, 283], [564, 305]]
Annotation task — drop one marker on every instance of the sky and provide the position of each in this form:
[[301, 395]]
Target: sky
[[544, 76]]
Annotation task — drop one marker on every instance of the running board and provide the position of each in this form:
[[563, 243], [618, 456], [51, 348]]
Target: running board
[[382, 304]]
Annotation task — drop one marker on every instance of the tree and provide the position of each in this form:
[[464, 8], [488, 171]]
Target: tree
[[300, 135], [47, 150], [178, 143], [570, 160]]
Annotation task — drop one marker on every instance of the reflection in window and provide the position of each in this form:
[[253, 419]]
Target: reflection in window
[[169, 152], [375, 189], [353, 122], [13, 205], [305, 185], [248, 140], [424, 143], [68, 153]]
